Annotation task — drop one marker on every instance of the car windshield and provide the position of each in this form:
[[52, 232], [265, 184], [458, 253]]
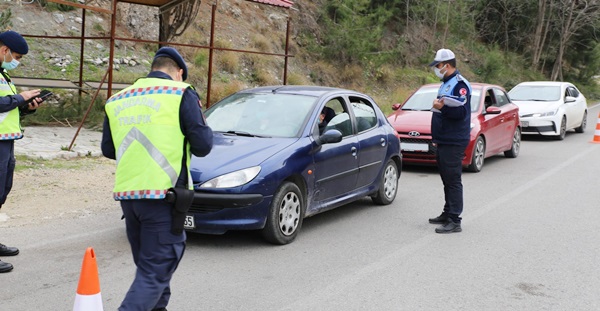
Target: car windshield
[[535, 92], [422, 100], [260, 114]]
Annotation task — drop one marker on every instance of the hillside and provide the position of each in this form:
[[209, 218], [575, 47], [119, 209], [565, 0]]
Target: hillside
[[325, 53]]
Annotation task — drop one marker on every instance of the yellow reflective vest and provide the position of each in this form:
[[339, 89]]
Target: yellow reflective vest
[[10, 121], [145, 128]]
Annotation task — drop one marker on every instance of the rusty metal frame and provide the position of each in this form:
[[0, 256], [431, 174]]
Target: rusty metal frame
[[114, 38]]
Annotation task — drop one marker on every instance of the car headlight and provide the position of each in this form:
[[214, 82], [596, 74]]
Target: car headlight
[[545, 114], [233, 179]]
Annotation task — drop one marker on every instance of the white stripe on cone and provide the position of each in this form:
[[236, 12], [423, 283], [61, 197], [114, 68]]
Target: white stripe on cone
[[88, 303]]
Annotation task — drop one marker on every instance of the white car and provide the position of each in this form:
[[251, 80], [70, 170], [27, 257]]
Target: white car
[[550, 108]]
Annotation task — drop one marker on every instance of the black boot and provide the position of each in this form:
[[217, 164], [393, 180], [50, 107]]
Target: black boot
[[449, 227], [440, 220], [8, 251], [5, 267]]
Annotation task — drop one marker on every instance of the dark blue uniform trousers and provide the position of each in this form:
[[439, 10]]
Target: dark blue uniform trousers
[[7, 168], [156, 253], [449, 161]]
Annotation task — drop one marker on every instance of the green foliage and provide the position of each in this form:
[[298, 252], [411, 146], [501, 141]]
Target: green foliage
[[5, 22]]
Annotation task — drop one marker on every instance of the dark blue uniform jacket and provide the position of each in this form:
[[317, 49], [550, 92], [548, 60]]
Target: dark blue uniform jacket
[[453, 125]]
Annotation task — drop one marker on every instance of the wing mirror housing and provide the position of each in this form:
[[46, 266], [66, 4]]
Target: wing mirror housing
[[329, 137], [493, 110], [396, 106], [570, 99]]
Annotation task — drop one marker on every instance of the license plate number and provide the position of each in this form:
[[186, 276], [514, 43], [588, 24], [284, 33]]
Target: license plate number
[[189, 222], [415, 147], [524, 123]]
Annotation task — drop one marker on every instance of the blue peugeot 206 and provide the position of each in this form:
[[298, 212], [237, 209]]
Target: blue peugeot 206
[[283, 153]]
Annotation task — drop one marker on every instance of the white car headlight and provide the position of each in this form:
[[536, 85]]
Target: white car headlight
[[233, 179], [545, 114]]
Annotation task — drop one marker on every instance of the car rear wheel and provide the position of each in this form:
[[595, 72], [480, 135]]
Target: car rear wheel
[[388, 185], [516, 145], [581, 128], [285, 215], [478, 156], [563, 129]]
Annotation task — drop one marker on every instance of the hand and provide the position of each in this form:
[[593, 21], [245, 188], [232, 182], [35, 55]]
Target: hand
[[27, 95], [438, 103]]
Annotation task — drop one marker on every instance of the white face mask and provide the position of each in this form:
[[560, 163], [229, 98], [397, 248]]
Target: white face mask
[[438, 72], [10, 65]]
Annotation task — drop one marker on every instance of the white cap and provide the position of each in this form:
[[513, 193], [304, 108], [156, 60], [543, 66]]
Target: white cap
[[442, 55]]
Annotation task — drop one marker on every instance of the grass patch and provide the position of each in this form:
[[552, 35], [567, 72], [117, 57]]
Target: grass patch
[[25, 163]]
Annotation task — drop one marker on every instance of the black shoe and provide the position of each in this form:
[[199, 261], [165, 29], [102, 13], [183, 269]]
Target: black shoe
[[442, 219], [5, 267], [8, 251], [160, 309], [449, 227]]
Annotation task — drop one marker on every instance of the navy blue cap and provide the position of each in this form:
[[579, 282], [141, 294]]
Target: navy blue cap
[[174, 55], [14, 41]]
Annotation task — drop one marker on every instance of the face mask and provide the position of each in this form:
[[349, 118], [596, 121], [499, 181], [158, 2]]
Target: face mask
[[438, 72], [10, 65]]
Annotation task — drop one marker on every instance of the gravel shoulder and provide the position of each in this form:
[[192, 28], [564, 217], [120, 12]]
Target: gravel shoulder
[[47, 190]]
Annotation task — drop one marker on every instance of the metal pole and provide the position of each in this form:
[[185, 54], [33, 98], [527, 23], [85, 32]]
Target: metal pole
[[81, 49], [88, 110], [210, 53], [113, 27], [287, 46]]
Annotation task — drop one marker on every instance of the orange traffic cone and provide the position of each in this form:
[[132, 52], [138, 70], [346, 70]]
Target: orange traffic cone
[[596, 139], [88, 296]]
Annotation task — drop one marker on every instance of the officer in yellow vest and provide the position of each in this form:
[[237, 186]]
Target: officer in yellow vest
[[150, 129], [13, 105]]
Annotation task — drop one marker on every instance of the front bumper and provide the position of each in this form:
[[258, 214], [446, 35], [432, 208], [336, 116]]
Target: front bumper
[[217, 213], [541, 126]]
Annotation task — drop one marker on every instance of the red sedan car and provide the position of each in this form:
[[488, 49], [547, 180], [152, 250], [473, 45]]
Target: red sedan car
[[495, 126]]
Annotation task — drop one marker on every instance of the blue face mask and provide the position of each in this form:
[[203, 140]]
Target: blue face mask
[[10, 65]]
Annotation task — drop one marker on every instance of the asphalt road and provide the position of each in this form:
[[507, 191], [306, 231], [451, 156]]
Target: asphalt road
[[529, 242]]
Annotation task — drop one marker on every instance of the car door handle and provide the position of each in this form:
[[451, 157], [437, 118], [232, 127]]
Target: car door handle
[[383, 142], [354, 151]]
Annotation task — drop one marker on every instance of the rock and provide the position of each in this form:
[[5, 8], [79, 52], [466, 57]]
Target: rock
[[78, 20], [20, 20], [58, 18], [132, 63], [99, 46]]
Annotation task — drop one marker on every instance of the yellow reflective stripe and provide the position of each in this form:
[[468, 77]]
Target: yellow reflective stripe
[[136, 135]]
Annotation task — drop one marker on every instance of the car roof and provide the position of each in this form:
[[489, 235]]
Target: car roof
[[474, 85], [309, 90], [542, 83]]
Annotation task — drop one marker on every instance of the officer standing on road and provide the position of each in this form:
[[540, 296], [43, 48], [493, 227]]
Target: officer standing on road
[[13, 105], [150, 129], [450, 131]]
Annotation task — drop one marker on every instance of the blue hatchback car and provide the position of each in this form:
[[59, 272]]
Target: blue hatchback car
[[279, 156]]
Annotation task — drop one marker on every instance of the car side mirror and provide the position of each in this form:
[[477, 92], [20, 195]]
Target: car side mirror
[[330, 136], [570, 99], [493, 110], [396, 106]]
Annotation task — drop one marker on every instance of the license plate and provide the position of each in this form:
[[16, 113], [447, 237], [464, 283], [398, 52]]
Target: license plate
[[524, 123], [414, 147], [189, 222]]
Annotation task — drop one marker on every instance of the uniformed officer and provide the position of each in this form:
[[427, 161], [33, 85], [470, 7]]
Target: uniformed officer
[[450, 131], [12, 106], [150, 129]]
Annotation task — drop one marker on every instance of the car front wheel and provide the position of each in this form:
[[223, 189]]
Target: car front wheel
[[478, 156], [285, 215], [388, 185]]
